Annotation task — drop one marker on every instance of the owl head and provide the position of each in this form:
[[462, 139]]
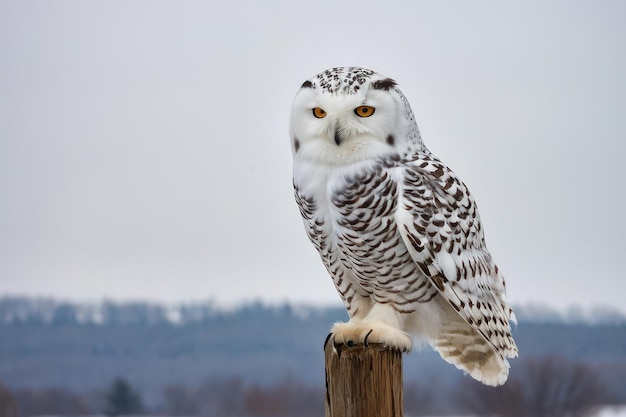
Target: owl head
[[349, 114]]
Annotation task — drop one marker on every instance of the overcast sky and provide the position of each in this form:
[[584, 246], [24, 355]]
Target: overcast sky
[[144, 148]]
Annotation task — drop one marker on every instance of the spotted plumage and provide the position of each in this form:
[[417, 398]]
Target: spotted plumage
[[398, 232]]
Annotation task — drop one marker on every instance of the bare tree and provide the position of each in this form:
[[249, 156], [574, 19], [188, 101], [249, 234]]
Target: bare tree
[[231, 397], [180, 401], [50, 401], [550, 386], [265, 402], [8, 407], [289, 398]]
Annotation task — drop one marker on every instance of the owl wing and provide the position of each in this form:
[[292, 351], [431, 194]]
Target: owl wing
[[439, 223]]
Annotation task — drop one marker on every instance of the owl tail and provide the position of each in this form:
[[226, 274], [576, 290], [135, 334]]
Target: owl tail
[[470, 353], [459, 344]]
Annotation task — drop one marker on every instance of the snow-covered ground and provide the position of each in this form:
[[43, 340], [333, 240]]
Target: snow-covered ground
[[605, 412], [612, 412]]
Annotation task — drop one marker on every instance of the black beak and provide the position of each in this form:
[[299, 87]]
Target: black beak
[[337, 138]]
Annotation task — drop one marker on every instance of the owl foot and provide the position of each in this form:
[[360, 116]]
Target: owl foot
[[356, 332]]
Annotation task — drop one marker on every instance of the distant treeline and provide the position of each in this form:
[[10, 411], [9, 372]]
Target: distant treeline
[[176, 356], [53, 311]]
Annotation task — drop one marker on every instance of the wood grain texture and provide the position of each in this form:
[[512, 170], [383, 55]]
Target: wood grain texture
[[363, 381]]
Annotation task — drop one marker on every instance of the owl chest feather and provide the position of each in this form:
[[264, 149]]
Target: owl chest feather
[[350, 218]]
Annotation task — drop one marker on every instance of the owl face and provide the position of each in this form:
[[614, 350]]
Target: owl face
[[346, 115]]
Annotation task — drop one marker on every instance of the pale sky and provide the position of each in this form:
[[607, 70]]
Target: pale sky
[[144, 148]]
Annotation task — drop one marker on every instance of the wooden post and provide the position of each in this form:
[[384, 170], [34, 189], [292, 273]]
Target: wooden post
[[363, 381]]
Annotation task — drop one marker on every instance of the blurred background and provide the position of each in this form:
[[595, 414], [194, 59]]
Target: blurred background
[[147, 222]]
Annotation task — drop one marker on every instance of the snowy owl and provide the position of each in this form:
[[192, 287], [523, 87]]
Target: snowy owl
[[397, 230]]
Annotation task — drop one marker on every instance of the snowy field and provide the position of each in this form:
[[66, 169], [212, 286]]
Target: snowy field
[[612, 412], [605, 412]]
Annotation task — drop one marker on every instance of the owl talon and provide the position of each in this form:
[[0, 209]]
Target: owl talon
[[366, 336], [330, 336], [366, 332]]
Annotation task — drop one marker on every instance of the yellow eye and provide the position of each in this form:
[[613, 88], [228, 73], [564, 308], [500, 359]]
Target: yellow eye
[[364, 111], [319, 113]]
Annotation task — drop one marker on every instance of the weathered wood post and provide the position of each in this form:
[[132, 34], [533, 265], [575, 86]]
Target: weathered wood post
[[363, 381]]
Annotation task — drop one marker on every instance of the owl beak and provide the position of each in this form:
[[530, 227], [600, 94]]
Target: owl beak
[[338, 137]]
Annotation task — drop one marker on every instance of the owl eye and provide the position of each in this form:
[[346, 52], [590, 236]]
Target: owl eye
[[319, 113], [364, 111]]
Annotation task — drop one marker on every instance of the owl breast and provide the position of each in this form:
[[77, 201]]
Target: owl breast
[[353, 226]]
